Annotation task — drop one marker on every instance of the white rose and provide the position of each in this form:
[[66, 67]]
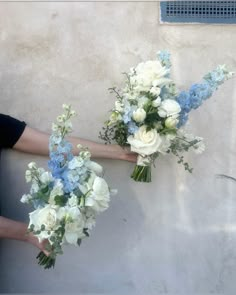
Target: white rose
[[156, 102], [46, 216], [169, 107], [139, 115], [171, 122], [144, 142]]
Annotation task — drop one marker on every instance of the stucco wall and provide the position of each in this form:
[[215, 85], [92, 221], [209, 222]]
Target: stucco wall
[[175, 235]]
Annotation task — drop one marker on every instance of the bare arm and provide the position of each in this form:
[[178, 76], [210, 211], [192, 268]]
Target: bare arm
[[36, 142], [11, 229]]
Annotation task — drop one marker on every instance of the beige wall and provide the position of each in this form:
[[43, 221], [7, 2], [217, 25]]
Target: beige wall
[[174, 235]]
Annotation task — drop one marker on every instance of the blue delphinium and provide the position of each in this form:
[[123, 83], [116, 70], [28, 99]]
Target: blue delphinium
[[164, 58], [200, 92]]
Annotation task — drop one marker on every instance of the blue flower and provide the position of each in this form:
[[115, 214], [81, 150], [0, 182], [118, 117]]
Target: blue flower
[[164, 58], [132, 127]]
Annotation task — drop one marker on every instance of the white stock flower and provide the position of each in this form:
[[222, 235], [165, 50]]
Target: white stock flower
[[26, 198], [56, 191], [76, 162], [169, 107], [46, 177], [47, 217], [145, 142], [32, 165], [28, 176], [139, 115], [94, 167]]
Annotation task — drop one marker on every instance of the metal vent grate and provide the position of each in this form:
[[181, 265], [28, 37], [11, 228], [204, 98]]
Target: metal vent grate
[[198, 11]]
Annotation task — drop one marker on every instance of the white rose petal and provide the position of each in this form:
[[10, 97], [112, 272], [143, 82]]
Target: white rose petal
[[46, 216], [144, 142]]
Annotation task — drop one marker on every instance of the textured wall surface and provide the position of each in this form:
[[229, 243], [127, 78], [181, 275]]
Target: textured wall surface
[[175, 235]]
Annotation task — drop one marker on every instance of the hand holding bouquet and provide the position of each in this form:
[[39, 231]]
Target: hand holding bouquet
[[149, 113], [67, 198]]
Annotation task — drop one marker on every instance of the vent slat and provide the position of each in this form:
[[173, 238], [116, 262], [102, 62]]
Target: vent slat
[[198, 11]]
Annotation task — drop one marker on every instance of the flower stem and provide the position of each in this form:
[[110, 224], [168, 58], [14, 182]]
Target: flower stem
[[142, 173]]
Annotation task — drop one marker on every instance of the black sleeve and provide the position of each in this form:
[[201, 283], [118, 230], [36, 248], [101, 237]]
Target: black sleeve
[[11, 130]]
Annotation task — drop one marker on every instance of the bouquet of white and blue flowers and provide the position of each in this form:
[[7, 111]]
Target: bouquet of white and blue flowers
[[149, 113], [67, 198]]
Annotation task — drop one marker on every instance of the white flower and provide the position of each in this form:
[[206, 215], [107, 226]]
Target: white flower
[[142, 101], [139, 115], [32, 165], [76, 162], [168, 107], [56, 191], [73, 200], [74, 225], [148, 75], [66, 106], [119, 106], [47, 217], [114, 117], [26, 198], [156, 102], [99, 198], [94, 167], [171, 122], [34, 187], [46, 177], [28, 176], [155, 91], [145, 142]]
